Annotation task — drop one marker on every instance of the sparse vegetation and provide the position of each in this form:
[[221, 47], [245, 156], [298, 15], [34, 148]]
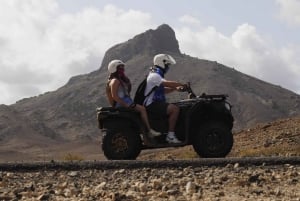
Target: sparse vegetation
[[72, 157], [188, 153], [270, 151]]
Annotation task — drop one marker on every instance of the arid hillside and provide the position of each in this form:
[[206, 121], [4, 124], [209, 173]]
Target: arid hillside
[[277, 138]]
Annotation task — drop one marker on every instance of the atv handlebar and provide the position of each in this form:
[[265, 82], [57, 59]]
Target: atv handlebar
[[192, 95], [187, 88]]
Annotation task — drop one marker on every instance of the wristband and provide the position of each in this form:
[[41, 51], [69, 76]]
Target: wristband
[[132, 105]]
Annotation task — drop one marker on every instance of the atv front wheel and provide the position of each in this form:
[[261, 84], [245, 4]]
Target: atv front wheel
[[121, 145], [213, 140]]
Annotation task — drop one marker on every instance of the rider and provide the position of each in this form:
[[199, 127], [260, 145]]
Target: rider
[[156, 101], [118, 92]]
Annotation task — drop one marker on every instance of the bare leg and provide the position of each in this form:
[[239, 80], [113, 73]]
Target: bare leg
[[173, 112], [143, 114]]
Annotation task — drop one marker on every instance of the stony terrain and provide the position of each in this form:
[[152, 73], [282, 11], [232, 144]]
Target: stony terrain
[[277, 138], [231, 182]]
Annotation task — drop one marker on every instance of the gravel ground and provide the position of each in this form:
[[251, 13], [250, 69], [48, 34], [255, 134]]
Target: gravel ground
[[232, 182]]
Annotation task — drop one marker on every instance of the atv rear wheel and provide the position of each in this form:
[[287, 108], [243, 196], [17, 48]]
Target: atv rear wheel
[[121, 145], [213, 140]]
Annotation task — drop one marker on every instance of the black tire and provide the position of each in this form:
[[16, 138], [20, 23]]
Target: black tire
[[213, 140], [121, 145]]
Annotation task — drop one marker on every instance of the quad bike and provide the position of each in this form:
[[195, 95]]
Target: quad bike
[[205, 122]]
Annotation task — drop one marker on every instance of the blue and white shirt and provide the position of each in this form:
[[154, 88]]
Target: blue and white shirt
[[155, 79]]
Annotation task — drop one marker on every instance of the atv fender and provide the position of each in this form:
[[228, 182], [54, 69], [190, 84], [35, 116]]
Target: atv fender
[[210, 112], [116, 124]]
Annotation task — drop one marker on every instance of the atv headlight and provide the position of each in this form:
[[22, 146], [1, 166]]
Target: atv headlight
[[227, 106]]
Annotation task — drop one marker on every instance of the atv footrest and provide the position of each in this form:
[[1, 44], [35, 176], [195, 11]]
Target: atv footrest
[[166, 145]]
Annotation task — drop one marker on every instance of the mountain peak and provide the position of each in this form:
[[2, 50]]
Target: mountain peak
[[151, 42]]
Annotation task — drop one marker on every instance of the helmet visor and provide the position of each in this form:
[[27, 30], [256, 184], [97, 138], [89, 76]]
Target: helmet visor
[[171, 60]]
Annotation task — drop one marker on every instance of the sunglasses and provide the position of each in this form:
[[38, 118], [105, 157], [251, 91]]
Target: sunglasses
[[120, 66]]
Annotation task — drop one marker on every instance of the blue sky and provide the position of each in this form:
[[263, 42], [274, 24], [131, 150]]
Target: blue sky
[[44, 43]]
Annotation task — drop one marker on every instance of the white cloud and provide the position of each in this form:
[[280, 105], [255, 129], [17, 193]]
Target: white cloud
[[290, 11], [245, 50], [41, 47], [188, 19]]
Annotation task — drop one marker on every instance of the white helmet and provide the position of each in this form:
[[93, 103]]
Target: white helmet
[[162, 60], [112, 66]]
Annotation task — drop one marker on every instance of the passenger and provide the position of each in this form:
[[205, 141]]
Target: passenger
[[118, 93], [156, 101]]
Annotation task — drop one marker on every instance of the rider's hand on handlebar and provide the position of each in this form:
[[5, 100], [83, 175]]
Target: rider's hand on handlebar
[[182, 88]]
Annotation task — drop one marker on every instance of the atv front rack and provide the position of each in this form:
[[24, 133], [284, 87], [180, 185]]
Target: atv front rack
[[204, 97], [213, 97]]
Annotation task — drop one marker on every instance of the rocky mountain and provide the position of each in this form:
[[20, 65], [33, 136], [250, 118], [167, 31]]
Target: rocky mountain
[[69, 113]]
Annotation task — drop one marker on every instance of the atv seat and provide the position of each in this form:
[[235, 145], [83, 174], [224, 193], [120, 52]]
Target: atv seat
[[106, 109]]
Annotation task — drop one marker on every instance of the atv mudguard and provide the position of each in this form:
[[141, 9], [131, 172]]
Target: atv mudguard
[[207, 111]]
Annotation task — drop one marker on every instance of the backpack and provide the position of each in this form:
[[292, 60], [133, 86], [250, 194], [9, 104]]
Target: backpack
[[139, 96]]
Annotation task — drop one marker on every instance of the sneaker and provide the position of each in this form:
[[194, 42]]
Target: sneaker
[[153, 133], [172, 139]]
